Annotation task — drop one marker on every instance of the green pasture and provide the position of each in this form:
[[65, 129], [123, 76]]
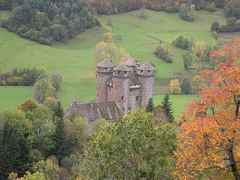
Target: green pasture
[[75, 59], [179, 102]]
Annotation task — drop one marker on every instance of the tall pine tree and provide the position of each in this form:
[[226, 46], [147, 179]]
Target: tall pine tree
[[167, 107], [150, 106], [59, 132]]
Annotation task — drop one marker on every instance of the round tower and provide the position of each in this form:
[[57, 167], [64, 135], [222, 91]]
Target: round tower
[[120, 91], [104, 71], [145, 73]]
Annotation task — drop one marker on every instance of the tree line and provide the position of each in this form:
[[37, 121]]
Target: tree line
[[50, 21], [37, 142]]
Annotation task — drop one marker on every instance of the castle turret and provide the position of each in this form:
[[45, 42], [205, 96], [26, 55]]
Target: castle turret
[[104, 71], [145, 73], [120, 80]]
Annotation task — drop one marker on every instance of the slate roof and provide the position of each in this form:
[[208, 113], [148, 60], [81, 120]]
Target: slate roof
[[94, 111], [145, 66], [105, 64], [122, 67]]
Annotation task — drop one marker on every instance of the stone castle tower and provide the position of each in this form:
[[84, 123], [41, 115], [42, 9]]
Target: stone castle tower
[[129, 84]]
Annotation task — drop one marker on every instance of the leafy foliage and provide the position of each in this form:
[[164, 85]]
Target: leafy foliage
[[107, 49], [46, 89], [209, 134], [15, 146], [183, 43], [130, 149], [21, 77], [116, 6], [215, 27], [163, 52], [186, 86], [28, 176], [189, 59], [175, 86], [50, 21]]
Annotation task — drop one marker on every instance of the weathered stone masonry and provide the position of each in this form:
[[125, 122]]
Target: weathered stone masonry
[[119, 90], [129, 84]]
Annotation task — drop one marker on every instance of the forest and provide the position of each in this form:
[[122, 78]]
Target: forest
[[189, 129]]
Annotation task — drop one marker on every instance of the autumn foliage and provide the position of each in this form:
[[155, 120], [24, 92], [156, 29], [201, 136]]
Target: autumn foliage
[[209, 135]]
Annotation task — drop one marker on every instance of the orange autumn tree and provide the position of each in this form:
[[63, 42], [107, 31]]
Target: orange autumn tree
[[209, 135]]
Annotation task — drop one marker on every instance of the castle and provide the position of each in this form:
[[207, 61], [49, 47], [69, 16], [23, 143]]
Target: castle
[[129, 84], [119, 89]]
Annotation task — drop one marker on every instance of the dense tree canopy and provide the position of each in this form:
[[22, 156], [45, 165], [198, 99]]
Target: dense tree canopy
[[208, 141], [50, 21], [133, 148]]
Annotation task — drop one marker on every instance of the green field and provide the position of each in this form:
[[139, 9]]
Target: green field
[[75, 59], [179, 102], [11, 97]]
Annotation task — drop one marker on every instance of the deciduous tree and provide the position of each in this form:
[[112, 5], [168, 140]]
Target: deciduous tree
[[132, 148], [209, 138]]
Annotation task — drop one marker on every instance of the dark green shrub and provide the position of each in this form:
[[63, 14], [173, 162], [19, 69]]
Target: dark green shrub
[[183, 43], [59, 33], [232, 25], [188, 60], [186, 86], [163, 53], [21, 77], [215, 27]]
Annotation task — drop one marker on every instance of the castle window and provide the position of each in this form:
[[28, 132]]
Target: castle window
[[141, 71], [137, 98], [122, 98]]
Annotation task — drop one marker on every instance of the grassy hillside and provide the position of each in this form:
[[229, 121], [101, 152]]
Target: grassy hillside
[[75, 59], [179, 102], [11, 97]]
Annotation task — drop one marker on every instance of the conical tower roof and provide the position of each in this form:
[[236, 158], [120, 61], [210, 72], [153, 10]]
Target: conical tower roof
[[105, 64]]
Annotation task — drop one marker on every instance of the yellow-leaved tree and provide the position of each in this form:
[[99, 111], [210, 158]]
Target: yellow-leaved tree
[[107, 49], [175, 87]]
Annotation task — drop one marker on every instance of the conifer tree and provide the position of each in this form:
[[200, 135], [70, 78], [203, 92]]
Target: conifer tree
[[150, 106], [59, 132], [167, 107]]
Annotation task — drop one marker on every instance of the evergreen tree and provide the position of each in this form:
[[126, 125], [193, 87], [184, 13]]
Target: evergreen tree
[[59, 132], [150, 106], [167, 107], [186, 86], [15, 146]]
